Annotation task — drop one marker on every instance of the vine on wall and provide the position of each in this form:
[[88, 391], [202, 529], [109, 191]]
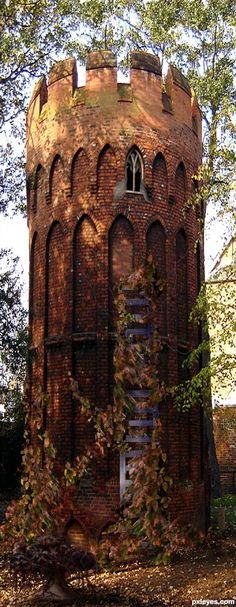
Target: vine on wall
[[144, 520]]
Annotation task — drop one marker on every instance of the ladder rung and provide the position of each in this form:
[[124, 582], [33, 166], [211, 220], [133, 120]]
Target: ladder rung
[[138, 331], [138, 439], [137, 301], [139, 393], [141, 423], [133, 453], [152, 410]]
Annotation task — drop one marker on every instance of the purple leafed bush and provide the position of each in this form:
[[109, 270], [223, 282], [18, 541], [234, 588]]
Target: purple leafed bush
[[50, 557]]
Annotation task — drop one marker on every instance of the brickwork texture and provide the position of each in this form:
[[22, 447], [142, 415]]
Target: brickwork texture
[[87, 231]]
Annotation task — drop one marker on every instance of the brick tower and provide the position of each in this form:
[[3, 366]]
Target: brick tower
[[110, 167]]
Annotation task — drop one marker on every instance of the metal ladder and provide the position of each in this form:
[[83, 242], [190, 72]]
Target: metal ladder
[[143, 417]]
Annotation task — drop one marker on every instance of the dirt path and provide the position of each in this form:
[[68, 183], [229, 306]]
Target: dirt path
[[207, 574]]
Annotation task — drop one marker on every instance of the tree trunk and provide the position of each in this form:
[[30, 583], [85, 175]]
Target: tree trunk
[[214, 466], [56, 588]]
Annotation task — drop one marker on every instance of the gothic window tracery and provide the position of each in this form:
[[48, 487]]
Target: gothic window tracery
[[134, 171]]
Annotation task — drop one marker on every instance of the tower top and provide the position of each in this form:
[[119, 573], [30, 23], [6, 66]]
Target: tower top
[[61, 92]]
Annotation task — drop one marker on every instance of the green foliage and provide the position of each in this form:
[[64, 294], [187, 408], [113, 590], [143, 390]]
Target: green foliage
[[40, 507], [145, 524], [12, 318], [13, 339], [229, 503]]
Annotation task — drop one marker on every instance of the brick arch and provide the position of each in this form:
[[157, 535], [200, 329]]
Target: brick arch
[[121, 249], [106, 174], [156, 246], [85, 309], [133, 145], [85, 276], [36, 314], [182, 285], [120, 265], [35, 298], [80, 176], [121, 256], [181, 184], [56, 180], [38, 195], [55, 282], [77, 534], [159, 179]]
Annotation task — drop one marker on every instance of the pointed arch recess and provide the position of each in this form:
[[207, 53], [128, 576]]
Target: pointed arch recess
[[38, 189], [79, 174], [159, 179], [156, 246], [121, 257], [182, 286], [121, 264], [121, 248], [181, 184], [85, 276], [56, 180], [106, 174], [85, 284], [35, 295], [55, 282]]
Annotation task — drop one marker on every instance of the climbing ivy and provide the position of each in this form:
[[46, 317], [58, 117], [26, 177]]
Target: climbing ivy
[[144, 520], [40, 508], [144, 517]]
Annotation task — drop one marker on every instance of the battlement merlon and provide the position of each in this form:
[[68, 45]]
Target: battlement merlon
[[101, 87]]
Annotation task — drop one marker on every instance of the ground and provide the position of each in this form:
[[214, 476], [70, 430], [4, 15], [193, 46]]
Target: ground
[[209, 573]]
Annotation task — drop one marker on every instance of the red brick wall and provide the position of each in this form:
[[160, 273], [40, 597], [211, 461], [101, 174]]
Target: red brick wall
[[88, 238], [80, 177], [56, 181], [38, 189], [180, 184], [106, 175], [121, 258], [56, 282], [182, 286], [160, 179], [85, 276]]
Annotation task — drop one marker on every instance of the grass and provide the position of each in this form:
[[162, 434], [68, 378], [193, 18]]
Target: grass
[[229, 502]]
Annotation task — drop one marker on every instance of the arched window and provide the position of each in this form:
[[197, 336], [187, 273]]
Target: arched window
[[134, 171]]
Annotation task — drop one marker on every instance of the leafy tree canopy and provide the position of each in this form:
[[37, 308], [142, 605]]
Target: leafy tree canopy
[[13, 334]]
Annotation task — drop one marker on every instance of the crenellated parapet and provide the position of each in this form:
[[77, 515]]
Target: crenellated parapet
[[155, 99]]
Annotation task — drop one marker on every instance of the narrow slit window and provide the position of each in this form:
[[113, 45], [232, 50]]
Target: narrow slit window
[[134, 171]]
